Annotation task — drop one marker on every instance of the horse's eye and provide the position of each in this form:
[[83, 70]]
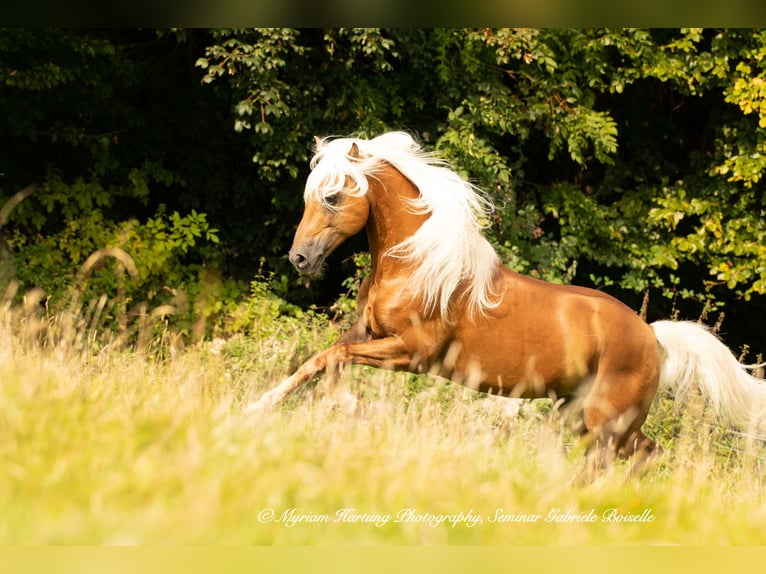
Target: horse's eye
[[332, 200]]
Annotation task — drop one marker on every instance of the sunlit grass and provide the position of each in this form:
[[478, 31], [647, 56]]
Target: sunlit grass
[[115, 445]]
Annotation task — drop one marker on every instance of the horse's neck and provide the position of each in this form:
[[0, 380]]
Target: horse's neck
[[391, 219]]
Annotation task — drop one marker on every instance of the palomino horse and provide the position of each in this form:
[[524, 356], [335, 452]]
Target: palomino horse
[[438, 300]]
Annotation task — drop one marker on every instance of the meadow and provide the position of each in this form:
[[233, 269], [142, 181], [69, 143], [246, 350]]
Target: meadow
[[143, 440]]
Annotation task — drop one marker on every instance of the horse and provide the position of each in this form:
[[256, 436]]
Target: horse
[[438, 300]]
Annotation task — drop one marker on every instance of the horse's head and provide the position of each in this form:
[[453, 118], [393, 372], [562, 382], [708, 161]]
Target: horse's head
[[336, 207]]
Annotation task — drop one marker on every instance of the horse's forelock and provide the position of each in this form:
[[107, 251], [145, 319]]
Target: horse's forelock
[[332, 163]]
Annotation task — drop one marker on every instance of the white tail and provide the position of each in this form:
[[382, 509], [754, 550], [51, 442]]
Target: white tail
[[691, 354]]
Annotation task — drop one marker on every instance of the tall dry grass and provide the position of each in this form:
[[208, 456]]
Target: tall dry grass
[[135, 439]]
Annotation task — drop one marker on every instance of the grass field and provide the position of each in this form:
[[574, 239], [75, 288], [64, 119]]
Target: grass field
[[151, 445]]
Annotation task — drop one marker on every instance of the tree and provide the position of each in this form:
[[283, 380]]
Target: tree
[[83, 111], [627, 159]]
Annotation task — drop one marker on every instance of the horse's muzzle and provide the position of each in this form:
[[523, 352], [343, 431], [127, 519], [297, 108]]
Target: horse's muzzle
[[308, 259]]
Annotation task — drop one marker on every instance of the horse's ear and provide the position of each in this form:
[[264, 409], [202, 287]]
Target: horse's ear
[[353, 153], [317, 141]]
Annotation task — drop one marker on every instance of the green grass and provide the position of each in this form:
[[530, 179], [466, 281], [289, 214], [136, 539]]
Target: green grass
[[102, 445]]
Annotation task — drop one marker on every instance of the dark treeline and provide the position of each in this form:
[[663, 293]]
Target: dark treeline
[[626, 159]]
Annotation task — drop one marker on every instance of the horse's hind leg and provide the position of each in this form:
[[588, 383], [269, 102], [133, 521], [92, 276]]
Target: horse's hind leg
[[638, 446], [614, 410]]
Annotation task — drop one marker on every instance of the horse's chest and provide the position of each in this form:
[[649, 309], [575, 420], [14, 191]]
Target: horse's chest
[[380, 320], [387, 313]]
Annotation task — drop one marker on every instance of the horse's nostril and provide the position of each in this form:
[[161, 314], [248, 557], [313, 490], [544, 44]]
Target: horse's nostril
[[298, 260]]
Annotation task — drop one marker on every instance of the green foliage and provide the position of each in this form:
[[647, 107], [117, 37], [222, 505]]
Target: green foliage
[[62, 224], [730, 236], [608, 209], [263, 316], [80, 126], [157, 248], [259, 54], [628, 159]]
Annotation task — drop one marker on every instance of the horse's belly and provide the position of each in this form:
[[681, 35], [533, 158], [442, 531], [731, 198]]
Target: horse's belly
[[532, 363], [536, 377]]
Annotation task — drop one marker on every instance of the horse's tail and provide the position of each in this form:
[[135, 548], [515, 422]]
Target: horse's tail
[[692, 355]]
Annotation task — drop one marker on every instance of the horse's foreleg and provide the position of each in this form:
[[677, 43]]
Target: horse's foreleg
[[321, 362], [307, 371], [389, 353]]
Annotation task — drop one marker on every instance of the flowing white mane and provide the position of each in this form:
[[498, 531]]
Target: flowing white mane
[[448, 249]]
